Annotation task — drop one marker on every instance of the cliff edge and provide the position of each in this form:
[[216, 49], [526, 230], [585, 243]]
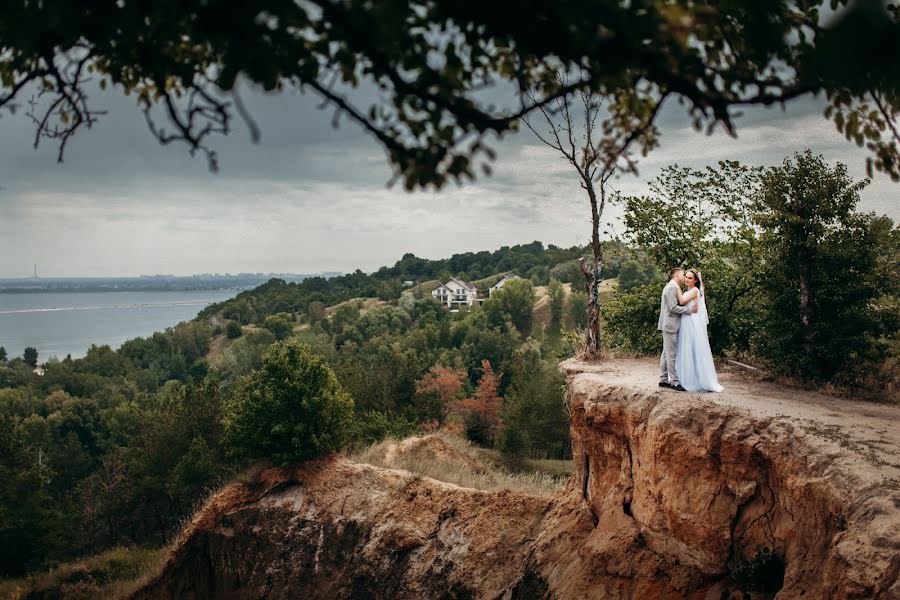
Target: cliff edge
[[674, 494]]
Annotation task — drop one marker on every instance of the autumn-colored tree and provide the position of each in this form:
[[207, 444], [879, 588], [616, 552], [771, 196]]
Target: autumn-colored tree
[[482, 410], [442, 384]]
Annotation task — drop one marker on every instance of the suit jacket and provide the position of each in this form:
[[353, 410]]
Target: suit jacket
[[669, 310]]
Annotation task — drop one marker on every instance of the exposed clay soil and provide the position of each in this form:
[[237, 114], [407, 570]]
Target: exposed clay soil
[[672, 495], [863, 435]]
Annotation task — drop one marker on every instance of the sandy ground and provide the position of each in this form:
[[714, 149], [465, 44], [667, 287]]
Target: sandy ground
[[867, 430]]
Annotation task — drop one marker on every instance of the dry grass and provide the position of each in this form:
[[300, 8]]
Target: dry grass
[[116, 573], [458, 462], [365, 305]]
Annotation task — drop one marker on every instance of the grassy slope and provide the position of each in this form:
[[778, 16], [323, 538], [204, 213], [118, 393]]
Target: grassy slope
[[113, 574]]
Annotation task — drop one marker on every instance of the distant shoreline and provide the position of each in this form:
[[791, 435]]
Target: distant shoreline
[[40, 290]]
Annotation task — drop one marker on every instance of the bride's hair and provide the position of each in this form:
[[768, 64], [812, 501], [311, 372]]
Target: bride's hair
[[696, 274]]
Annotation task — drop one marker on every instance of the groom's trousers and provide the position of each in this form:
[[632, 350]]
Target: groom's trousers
[[667, 372]]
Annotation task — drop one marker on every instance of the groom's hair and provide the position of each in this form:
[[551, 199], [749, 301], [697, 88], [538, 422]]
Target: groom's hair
[[673, 271]]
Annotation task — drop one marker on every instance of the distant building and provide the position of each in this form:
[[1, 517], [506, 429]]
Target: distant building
[[407, 283], [501, 283], [455, 293], [39, 371]]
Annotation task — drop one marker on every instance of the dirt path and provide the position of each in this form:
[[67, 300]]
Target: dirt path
[[864, 434]]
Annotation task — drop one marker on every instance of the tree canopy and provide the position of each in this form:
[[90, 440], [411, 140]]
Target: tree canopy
[[439, 68]]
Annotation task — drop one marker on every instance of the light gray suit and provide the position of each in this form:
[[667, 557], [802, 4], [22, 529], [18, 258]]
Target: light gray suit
[[669, 322]]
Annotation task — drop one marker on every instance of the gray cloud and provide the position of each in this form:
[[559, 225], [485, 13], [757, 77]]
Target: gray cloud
[[311, 198]]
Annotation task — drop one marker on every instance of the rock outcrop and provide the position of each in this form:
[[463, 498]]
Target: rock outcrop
[[672, 494]]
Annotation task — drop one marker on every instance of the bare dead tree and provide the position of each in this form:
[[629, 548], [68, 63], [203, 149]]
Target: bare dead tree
[[577, 129]]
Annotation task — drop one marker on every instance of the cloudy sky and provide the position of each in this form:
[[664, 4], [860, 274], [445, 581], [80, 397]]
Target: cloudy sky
[[309, 198]]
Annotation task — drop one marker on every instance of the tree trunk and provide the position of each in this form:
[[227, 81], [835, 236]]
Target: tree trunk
[[592, 275], [592, 333], [806, 304]]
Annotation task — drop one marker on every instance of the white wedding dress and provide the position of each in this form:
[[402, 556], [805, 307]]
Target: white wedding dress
[[693, 358]]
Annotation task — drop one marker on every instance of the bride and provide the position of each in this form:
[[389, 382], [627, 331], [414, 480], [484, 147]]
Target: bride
[[693, 358]]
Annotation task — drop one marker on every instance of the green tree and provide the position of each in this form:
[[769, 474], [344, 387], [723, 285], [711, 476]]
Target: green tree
[[315, 312], [566, 272], [281, 325], [2, 354], [533, 413], [819, 266], [704, 219], [292, 409], [514, 301], [233, 329], [631, 318], [557, 294], [635, 272], [577, 307], [30, 356]]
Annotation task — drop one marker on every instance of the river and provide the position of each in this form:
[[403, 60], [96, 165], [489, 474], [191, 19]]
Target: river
[[64, 323]]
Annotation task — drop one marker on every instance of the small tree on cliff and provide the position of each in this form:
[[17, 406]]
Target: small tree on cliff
[[293, 408], [596, 148]]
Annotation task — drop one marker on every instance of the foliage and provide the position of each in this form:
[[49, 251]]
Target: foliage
[[118, 447], [820, 269], [114, 573], [631, 319], [2, 354], [482, 410], [635, 272], [557, 295], [372, 426], [513, 302], [233, 329], [535, 424], [793, 275], [30, 356], [315, 312], [428, 113], [443, 384], [292, 409], [280, 324], [577, 306]]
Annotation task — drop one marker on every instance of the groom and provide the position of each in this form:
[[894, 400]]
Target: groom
[[669, 321]]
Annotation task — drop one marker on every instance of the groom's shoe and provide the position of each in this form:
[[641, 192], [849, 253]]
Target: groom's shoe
[[677, 388], [665, 384]]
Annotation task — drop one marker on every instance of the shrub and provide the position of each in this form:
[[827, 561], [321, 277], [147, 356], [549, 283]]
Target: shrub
[[292, 409], [635, 272], [515, 302], [281, 325], [373, 426], [630, 320], [233, 329], [577, 307], [557, 299]]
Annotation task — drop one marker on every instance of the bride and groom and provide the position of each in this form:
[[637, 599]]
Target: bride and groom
[[686, 362]]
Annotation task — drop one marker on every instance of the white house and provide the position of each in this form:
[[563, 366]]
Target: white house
[[501, 283], [455, 293]]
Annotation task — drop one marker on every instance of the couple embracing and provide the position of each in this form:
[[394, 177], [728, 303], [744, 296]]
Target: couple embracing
[[686, 363]]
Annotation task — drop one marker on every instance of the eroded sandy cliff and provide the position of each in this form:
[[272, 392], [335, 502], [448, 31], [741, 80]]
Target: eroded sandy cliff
[[671, 493]]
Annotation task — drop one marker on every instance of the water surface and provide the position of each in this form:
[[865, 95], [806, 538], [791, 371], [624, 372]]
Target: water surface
[[64, 323]]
